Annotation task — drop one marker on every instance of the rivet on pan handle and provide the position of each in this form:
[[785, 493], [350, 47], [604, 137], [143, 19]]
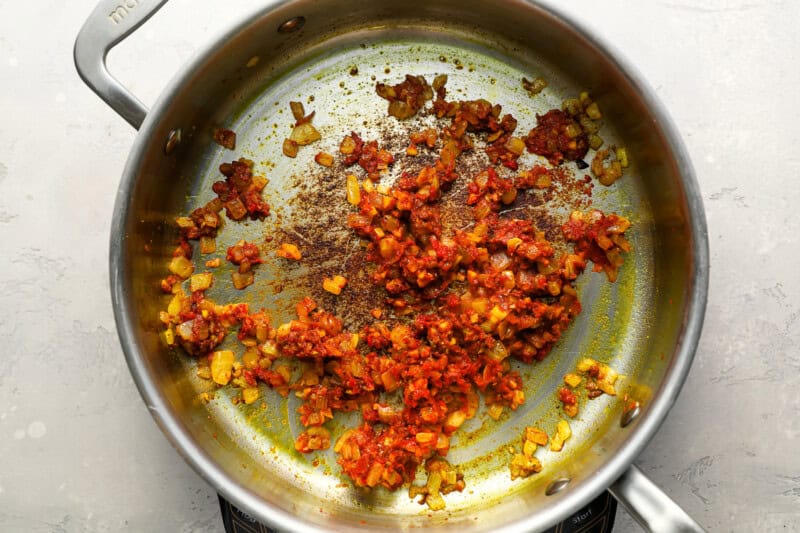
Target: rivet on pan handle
[[109, 23], [650, 506]]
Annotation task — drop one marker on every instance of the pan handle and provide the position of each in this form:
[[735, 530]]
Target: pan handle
[[650, 506], [109, 23]]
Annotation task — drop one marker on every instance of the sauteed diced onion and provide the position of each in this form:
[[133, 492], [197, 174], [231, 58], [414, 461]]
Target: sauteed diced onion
[[457, 304]]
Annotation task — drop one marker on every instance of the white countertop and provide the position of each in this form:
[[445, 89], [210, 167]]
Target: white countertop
[[78, 449]]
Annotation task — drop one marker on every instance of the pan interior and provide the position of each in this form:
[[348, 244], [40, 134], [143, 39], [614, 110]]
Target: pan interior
[[335, 77]]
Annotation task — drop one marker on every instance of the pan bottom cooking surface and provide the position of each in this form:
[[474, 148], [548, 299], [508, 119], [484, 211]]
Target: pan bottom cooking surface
[[339, 84]]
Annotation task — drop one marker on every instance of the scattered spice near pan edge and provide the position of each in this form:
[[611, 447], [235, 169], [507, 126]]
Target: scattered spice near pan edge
[[459, 304]]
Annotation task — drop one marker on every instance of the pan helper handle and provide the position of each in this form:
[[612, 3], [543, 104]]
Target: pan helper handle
[[109, 23], [650, 506]]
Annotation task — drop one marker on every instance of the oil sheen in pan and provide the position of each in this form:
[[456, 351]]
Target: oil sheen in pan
[[309, 210]]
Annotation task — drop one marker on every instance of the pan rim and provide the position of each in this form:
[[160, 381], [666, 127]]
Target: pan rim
[[641, 433]]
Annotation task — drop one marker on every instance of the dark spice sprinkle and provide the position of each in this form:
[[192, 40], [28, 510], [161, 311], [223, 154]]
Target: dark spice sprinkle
[[581, 164]]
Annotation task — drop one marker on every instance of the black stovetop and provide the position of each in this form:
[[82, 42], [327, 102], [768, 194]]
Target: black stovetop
[[597, 517]]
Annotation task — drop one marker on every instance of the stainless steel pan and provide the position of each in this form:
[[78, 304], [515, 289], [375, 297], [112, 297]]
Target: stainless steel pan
[[646, 325]]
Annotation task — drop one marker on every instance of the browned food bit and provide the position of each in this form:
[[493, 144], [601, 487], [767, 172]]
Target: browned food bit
[[240, 193], [608, 174], [298, 112], [201, 282], [334, 285], [407, 97], [438, 84], [225, 138], [534, 87], [353, 190], [600, 238], [569, 401], [622, 156], [515, 145], [245, 255], [312, 439], [208, 245], [349, 145], [600, 377], [323, 158], [171, 283], [524, 464], [181, 266], [537, 177], [290, 148], [199, 325], [289, 251], [222, 366], [481, 116], [203, 222], [250, 395], [369, 156], [442, 479], [563, 432], [304, 134], [427, 137], [488, 192], [572, 380], [536, 435], [587, 113], [242, 280], [557, 136]]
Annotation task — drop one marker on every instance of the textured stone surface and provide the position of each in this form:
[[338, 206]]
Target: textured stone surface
[[78, 450]]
